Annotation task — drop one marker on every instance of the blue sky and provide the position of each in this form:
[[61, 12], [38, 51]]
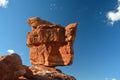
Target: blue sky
[[97, 44]]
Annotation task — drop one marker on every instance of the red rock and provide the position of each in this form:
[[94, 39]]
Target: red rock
[[70, 32], [11, 67], [50, 44], [46, 73], [46, 34], [36, 21], [4, 72]]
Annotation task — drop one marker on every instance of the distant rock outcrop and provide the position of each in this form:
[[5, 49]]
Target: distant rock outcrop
[[50, 44]]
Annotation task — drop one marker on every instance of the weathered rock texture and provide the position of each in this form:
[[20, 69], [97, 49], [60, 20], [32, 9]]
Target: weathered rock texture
[[11, 67], [40, 72], [50, 44]]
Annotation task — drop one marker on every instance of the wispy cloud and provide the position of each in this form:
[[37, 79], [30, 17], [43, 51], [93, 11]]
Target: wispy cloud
[[4, 3], [10, 51], [114, 79], [114, 16]]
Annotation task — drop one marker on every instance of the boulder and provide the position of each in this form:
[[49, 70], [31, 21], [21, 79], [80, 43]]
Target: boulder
[[50, 44], [11, 67]]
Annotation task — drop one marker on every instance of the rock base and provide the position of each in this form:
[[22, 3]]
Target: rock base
[[40, 72], [11, 68]]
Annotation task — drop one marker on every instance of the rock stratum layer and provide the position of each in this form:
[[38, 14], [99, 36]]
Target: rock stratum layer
[[11, 68], [50, 44]]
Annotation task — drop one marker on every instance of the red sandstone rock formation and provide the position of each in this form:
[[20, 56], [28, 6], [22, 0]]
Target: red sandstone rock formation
[[45, 73], [11, 67], [50, 44], [34, 22]]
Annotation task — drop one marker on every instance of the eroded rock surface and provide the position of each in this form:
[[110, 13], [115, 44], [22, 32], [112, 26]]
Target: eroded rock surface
[[11, 67], [45, 73], [50, 44]]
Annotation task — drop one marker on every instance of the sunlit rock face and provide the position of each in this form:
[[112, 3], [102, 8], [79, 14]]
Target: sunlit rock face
[[50, 44], [40, 72]]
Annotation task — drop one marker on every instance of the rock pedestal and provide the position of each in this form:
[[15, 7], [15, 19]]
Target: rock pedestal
[[50, 44], [11, 68], [40, 72]]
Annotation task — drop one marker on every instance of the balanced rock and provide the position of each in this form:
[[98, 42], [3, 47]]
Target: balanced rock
[[11, 67], [50, 44]]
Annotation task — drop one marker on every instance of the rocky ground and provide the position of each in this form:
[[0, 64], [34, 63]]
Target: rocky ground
[[11, 68]]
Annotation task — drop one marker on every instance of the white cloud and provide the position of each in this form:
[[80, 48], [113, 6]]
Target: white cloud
[[4, 3], [10, 51], [114, 79], [114, 16]]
